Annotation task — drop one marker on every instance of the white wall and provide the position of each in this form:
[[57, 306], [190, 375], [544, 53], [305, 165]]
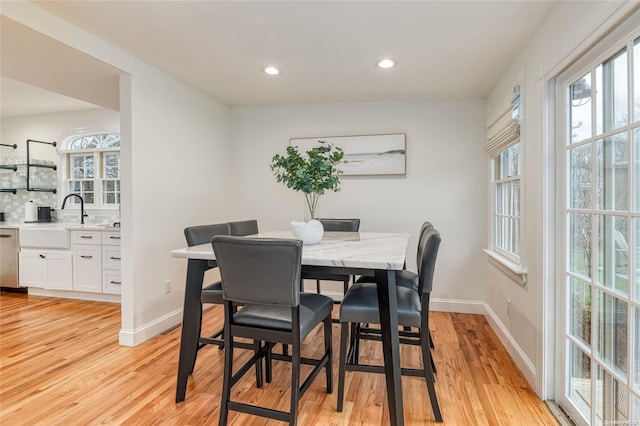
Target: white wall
[[528, 331], [174, 165], [178, 177], [444, 182], [51, 127]]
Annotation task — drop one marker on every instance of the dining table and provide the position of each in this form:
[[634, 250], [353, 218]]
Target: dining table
[[377, 254]]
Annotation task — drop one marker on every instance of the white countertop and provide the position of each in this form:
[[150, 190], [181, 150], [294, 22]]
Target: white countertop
[[370, 250], [58, 225]]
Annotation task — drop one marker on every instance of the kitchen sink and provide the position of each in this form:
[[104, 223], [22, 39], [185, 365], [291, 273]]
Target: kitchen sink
[[49, 236]]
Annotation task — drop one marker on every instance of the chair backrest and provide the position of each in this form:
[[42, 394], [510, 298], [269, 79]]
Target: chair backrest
[[202, 234], [259, 270], [430, 243], [344, 225], [425, 226], [244, 227]]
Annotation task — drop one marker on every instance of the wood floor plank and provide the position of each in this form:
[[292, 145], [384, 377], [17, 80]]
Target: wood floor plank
[[61, 364]]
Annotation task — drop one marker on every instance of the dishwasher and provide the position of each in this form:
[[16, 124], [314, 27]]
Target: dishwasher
[[9, 258]]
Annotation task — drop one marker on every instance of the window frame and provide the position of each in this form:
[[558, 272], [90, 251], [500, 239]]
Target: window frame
[[505, 131], [591, 63], [99, 164], [496, 182]]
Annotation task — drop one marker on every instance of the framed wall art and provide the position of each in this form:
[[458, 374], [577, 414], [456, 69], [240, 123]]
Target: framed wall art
[[364, 154]]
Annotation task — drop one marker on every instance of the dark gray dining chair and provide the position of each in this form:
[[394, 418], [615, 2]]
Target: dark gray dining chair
[[342, 225], [211, 293], [360, 305], [242, 228], [264, 276], [408, 279], [404, 277]]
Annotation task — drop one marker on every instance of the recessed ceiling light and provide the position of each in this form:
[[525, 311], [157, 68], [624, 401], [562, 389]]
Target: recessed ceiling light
[[271, 70], [386, 63]]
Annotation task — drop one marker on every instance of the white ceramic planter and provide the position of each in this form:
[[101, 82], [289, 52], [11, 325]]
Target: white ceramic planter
[[309, 232]]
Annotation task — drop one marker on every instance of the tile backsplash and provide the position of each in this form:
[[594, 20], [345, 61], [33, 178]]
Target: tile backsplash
[[13, 204]]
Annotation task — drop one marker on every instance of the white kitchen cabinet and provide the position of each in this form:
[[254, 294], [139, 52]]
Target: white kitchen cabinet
[[50, 270], [111, 282], [96, 261], [86, 237], [87, 268], [110, 238]]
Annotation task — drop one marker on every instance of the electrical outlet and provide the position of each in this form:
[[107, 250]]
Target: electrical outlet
[[167, 287], [508, 307]]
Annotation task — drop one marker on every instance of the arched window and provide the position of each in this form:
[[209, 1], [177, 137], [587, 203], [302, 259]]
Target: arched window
[[93, 168]]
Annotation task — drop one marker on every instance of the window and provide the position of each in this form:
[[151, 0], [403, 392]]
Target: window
[[93, 169], [503, 147], [507, 202], [600, 266]]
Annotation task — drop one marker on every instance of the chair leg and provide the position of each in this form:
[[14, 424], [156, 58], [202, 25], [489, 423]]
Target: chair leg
[[345, 285], [295, 383], [356, 338], [428, 373], [431, 344], [226, 384], [328, 336], [318, 286], [256, 345], [221, 345], [268, 364], [344, 331]]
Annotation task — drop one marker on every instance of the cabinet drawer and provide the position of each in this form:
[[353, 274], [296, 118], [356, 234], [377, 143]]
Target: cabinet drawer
[[86, 237], [111, 283], [111, 238], [111, 257]]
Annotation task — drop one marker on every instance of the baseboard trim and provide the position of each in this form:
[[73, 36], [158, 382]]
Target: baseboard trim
[[147, 331], [458, 306], [523, 362], [78, 295]]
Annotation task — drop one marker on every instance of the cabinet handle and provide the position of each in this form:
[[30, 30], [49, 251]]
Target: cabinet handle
[[115, 238], [7, 236], [114, 258], [115, 282], [88, 237], [42, 256], [87, 257]]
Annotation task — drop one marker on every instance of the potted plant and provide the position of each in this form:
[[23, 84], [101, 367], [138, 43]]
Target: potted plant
[[313, 174]]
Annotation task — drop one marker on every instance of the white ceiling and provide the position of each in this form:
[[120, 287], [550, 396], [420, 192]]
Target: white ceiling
[[20, 99], [325, 49]]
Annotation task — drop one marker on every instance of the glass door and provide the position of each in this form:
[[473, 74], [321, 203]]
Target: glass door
[[600, 272]]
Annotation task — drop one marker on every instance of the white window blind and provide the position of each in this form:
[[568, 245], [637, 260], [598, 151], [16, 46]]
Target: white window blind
[[505, 130]]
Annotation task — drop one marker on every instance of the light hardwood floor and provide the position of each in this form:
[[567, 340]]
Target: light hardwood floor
[[61, 365]]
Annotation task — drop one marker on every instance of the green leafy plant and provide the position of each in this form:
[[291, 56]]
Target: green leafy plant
[[312, 174]]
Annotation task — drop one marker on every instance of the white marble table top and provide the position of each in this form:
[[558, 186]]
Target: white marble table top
[[370, 250]]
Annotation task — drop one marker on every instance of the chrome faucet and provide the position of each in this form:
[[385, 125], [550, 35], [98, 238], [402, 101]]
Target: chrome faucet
[[82, 212]]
